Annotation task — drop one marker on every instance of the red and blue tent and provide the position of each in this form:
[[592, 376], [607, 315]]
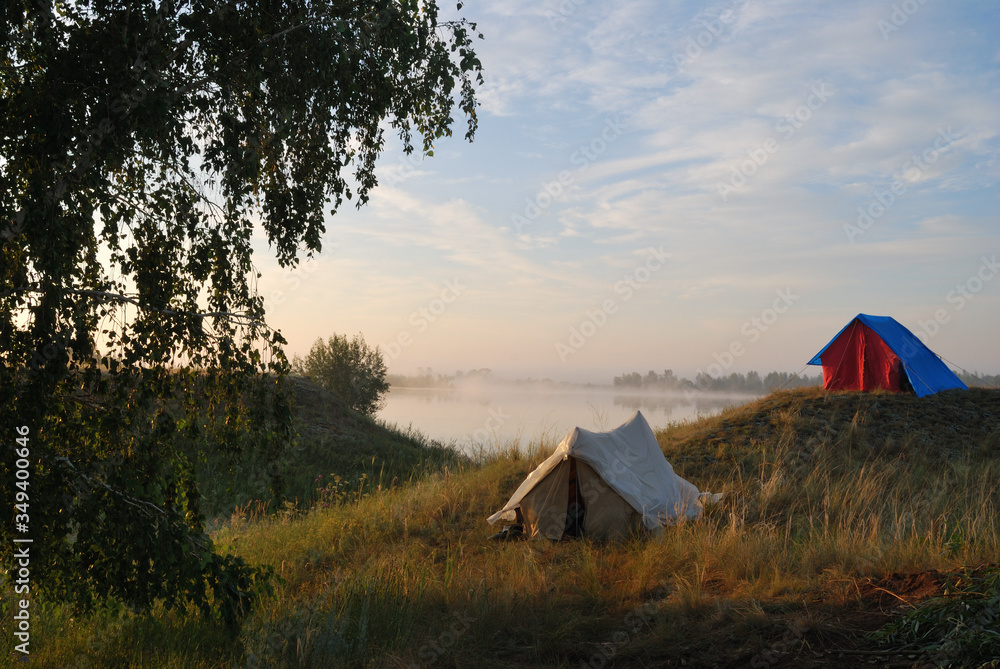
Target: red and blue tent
[[876, 352]]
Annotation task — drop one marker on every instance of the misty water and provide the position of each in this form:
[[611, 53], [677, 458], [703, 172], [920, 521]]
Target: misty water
[[471, 417]]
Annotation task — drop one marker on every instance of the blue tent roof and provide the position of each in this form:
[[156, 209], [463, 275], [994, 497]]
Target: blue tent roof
[[925, 370]]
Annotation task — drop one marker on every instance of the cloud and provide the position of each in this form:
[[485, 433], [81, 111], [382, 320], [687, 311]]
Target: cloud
[[701, 91]]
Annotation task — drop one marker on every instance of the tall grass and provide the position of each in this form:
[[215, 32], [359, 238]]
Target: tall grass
[[817, 496], [409, 561]]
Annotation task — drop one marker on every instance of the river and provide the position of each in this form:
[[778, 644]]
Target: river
[[497, 415]]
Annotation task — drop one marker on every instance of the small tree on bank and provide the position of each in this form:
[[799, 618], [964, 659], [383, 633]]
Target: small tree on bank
[[351, 369]]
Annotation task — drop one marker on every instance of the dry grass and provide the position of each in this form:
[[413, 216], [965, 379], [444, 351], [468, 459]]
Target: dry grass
[[822, 491]]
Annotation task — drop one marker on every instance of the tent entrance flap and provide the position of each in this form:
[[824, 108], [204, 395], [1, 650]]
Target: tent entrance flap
[[576, 510], [860, 360], [544, 506]]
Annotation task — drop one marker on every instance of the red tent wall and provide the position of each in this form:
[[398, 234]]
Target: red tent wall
[[860, 360]]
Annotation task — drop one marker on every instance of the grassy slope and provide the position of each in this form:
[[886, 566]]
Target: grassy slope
[[331, 440], [830, 500]]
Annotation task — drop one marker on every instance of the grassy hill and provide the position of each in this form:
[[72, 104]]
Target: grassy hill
[[841, 510], [336, 453]]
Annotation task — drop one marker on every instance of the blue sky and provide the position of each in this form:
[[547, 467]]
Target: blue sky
[[678, 185]]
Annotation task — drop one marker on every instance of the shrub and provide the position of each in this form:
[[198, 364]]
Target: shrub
[[350, 369], [958, 629]]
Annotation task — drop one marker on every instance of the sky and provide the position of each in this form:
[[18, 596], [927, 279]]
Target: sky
[[676, 185]]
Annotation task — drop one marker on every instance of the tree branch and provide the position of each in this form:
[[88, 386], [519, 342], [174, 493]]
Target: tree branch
[[113, 297]]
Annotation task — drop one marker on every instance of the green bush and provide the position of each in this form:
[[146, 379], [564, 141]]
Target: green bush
[[350, 369], [958, 629]]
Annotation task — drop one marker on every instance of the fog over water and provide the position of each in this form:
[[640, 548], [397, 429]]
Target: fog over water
[[495, 414]]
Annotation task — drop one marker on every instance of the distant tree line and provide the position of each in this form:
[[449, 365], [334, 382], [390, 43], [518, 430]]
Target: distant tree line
[[751, 382], [977, 380], [427, 378]]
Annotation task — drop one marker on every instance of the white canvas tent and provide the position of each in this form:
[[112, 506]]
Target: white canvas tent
[[602, 484]]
